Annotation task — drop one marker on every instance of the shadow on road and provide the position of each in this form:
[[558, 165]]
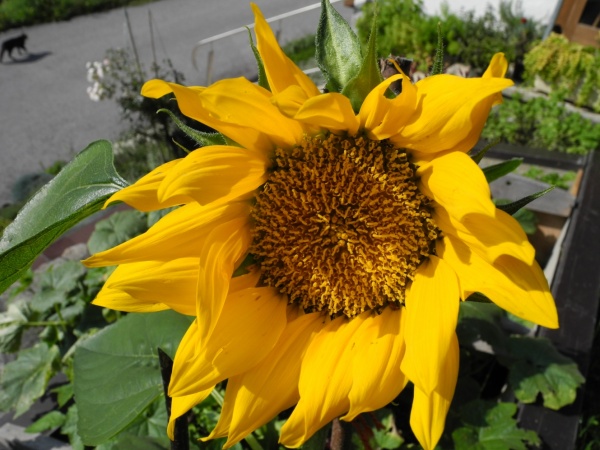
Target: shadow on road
[[29, 58]]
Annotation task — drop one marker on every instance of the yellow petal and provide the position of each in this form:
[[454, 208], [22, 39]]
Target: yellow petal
[[376, 375], [255, 397], [249, 326], [142, 194], [179, 234], [429, 410], [331, 111], [324, 380], [224, 246], [431, 316], [497, 68], [458, 184], [152, 286], [237, 108], [122, 301], [382, 117], [290, 100], [490, 237], [514, 286], [181, 405], [281, 71], [451, 112], [215, 174]]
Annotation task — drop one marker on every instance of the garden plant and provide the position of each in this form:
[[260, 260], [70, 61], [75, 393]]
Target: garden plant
[[325, 269]]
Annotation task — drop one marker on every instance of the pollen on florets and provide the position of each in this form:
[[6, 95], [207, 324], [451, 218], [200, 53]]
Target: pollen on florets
[[340, 226]]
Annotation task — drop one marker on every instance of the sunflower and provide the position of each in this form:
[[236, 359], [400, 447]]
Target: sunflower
[[324, 250]]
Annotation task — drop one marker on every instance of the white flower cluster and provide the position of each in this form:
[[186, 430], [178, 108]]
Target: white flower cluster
[[95, 74]]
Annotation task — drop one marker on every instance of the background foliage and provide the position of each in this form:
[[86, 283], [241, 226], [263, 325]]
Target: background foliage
[[19, 13]]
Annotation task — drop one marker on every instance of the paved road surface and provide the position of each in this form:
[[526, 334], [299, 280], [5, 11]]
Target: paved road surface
[[45, 112]]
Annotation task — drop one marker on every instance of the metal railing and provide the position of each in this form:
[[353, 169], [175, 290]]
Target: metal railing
[[211, 40]]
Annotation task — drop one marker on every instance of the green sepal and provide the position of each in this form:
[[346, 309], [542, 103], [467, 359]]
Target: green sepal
[[499, 170], [202, 138], [79, 190], [338, 51], [438, 59], [480, 154], [262, 75], [512, 208], [369, 75]]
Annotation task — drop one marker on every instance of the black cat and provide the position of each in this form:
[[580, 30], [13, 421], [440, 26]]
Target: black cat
[[10, 44]]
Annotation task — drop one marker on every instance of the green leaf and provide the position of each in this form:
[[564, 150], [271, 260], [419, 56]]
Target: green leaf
[[57, 285], [499, 170], [369, 75], [49, 421], [512, 208], [12, 323], [24, 380], [116, 229], [338, 51], [527, 219], [481, 322], [480, 154], [490, 426], [539, 368], [438, 59], [201, 138], [80, 189], [63, 393], [262, 75], [69, 428], [133, 442], [117, 373]]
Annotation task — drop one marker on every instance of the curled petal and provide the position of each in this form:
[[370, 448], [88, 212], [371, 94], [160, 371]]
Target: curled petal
[[383, 117], [513, 285], [450, 114], [331, 111], [237, 108]]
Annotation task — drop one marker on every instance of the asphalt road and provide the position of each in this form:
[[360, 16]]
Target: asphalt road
[[45, 112]]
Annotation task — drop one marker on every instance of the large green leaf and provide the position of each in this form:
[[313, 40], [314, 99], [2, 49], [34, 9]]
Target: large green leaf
[[79, 190], [540, 369], [490, 426], [338, 51], [117, 373], [24, 380]]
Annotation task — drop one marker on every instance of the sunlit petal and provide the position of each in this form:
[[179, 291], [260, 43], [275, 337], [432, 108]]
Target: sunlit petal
[[432, 313], [215, 174], [429, 410], [281, 71]]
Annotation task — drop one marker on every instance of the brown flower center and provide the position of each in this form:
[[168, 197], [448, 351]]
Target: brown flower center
[[340, 225]]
